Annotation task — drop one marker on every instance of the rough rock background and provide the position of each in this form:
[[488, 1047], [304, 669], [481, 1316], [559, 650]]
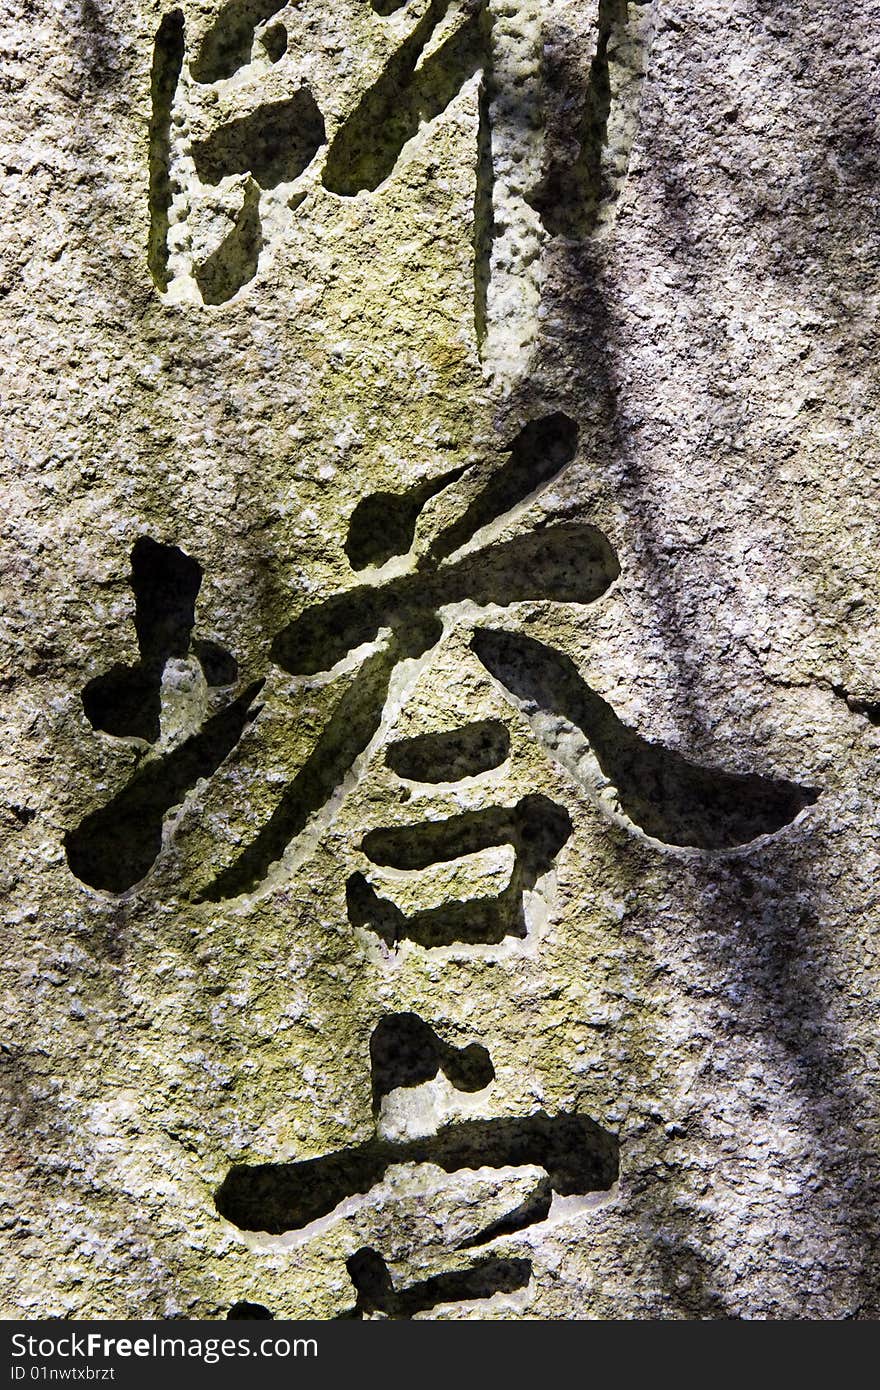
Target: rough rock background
[[688, 268]]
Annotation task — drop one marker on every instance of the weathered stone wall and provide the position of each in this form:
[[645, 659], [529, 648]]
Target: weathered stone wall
[[440, 667]]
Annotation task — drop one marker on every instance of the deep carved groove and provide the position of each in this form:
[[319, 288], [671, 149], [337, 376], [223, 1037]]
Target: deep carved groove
[[568, 563], [167, 63], [226, 46], [274, 41], [448, 757], [275, 143], [376, 1292], [237, 258], [405, 1051], [350, 728], [117, 845], [383, 524], [219, 666], [542, 449], [479, 921], [388, 115], [386, 8], [535, 1208], [125, 702], [241, 1311], [166, 584], [536, 828], [484, 210], [571, 192], [577, 1155], [669, 798]]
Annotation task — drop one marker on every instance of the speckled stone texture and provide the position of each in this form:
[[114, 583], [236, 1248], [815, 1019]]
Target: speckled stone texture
[[440, 659]]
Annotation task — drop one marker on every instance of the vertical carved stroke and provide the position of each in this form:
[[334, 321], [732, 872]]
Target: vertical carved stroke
[[165, 74], [484, 212], [573, 191]]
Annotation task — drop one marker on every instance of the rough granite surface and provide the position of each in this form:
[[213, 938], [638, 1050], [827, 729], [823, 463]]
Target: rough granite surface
[[441, 494]]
